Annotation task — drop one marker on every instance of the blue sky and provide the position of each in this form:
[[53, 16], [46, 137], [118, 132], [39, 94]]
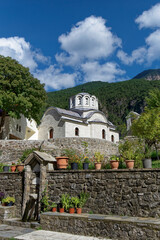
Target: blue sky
[[68, 42]]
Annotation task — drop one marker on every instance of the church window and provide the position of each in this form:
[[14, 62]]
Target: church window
[[112, 138], [76, 131], [92, 101], [79, 100], [51, 133], [17, 127], [87, 101], [103, 134]]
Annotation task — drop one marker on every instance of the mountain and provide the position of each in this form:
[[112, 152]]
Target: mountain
[[151, 74], [116, 100]]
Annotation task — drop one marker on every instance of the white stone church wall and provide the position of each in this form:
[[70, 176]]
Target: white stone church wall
[[84, 130]]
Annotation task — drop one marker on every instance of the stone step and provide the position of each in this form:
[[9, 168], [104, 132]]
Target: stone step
[[18, 222]]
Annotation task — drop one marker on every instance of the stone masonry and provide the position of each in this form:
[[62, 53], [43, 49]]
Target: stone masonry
[[12, 150]]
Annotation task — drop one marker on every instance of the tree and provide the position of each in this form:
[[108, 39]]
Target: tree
[[20, 92]]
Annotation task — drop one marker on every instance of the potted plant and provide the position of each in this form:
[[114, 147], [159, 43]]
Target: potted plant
[[76, 201], [20, 165], [13, 167], [5, 168], [71, 206], [65, 201], [53, 207], [127, 151], [83, 197], [114, 162], [147, 161], [8, 201], [86, 163], [98, 158], [62, 162]]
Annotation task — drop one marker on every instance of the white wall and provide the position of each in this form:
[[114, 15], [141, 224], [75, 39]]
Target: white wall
[[84, 130], [115, 134]]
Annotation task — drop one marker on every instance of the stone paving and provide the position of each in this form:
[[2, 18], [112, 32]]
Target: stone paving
[[12, 232]]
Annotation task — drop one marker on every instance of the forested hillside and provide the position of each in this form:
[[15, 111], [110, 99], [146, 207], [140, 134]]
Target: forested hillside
[[116, 100]]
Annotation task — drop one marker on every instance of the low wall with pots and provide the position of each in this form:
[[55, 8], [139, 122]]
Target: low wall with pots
[[120, 192], [12, 185], [102, 226], [12, 150]]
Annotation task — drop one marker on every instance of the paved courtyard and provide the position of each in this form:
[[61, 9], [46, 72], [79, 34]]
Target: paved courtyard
[[13, 232]]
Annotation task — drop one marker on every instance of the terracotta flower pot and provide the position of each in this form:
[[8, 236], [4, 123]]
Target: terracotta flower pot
[[71, 210], [61, 210], [129, 164], [13, 168], [79, 210], [114, 164], [54, 209], [62, 162], [98, 166], [20, 167]]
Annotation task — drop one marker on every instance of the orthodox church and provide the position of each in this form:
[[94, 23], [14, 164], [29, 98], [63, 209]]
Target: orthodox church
[[83, 119]]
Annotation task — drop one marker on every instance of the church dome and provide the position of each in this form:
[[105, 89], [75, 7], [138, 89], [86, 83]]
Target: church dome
[[83, 101]]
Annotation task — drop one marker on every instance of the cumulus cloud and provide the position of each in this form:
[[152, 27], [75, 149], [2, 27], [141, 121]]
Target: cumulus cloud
[[153, 43], [150, 18], [107, 72], [20, 50], [88, 40], [138, 55], [55, 79]]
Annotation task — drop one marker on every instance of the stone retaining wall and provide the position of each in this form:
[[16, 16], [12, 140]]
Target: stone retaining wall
[[12, 150], [121, 192], [102, 226], [12, 185]]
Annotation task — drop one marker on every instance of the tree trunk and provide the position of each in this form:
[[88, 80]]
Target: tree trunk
[[2, 124]]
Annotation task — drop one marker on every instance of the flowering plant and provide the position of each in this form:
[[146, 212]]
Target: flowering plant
[[86, 159], [98, 157]]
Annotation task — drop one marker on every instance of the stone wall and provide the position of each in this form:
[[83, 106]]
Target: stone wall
[[11, 150], [120, 192], [12, 185]]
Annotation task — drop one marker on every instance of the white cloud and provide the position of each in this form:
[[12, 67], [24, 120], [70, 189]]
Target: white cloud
[[88, 40], [153, 43], [150, 18], [138, 55], [20, 50], [107, 72], [54, 78]]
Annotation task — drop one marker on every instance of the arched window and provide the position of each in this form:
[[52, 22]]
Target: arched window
[[51, 133], [103, 134], [76, 131], [112, 138], [79, 100], [93, 101], [87, 101]]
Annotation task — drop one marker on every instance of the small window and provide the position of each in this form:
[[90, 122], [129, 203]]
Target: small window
[[103, 134], [51, 133], [112, 138], [87, 101], [79, 100], [19, 128], [76, 131], [92, 101]]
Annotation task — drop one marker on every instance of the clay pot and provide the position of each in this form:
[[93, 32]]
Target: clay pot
[[79, 210], [129, 164], [114, 164], [62, 162], [98, 166], [54, 209], [61, 210], [13, 168], [20, 167], [71, 210]]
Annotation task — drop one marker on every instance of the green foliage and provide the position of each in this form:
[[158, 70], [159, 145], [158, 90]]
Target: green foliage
[[83, 197], [1, 167], [156, 164], [53, 205], [20, 92], [115, 158], [98, 157], [65, 201], [45, 205], [26, 154], [75, 201], [115, 99], [8, 200]]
